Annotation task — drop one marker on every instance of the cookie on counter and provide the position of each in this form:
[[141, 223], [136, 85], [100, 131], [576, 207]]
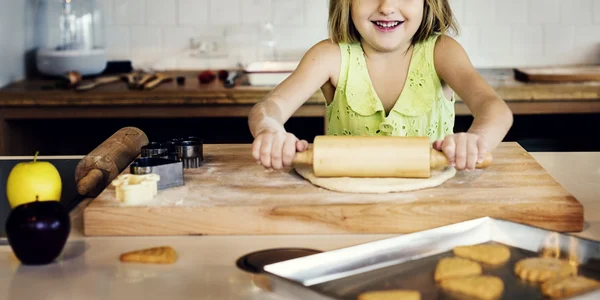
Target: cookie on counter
[[155, 255]]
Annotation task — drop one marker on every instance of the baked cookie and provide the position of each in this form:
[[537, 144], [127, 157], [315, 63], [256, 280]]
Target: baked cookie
[[482, 287], [450, 267], [391, 295], [487, 254], [541, 269], [568, 286], [155, 255]]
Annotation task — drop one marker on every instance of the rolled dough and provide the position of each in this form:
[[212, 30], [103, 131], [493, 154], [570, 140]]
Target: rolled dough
[[375, 185]]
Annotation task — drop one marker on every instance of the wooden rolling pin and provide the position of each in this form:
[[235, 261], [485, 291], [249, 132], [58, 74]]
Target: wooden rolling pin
[[370, 156], [97, 169]]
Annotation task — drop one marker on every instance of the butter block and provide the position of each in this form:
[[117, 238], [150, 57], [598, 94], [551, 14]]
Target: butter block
[[134, 189]]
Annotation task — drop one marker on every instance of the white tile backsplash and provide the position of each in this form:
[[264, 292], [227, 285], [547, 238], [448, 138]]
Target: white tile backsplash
[[290, 12], [256, 11], [130, 12], [316, 12], [108, 8], [478, 12], [510, 12], [558, 39], [193, 12], [495, 41], [161, 12], [495, 33], [118, 43], [146, 45], [543, 11], [469, 38], [224, 12], [177, 38], [527, 40], [576, 12]]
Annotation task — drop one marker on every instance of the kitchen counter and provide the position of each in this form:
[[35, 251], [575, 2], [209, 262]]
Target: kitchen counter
[[187, 99], [206, 269]]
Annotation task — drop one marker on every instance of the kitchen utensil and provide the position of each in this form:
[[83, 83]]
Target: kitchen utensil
[[370, 156], [190, 153], [146, 77], [170, 171], [154, 149], [232, 195], [229, 82], [158, 79], [97, 169], [97, 82], [131, 79]]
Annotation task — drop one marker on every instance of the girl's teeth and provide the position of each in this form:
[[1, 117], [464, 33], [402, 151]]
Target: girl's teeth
[[387, 24]]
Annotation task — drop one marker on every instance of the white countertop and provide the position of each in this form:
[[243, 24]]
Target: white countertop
[[206, 267]]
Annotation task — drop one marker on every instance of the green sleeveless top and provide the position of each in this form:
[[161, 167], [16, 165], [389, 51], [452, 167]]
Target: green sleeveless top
[[422, 109]]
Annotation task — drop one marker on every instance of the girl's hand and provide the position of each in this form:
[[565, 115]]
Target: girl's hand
[[463, 150], [275, 149]]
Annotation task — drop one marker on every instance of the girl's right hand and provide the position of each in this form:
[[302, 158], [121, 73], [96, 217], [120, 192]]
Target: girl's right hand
[[275, 149]]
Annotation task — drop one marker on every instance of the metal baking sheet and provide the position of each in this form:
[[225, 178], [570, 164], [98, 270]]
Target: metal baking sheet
[[409, 261]]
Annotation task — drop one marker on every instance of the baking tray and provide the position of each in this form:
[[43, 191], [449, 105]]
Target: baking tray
[[409, 261]]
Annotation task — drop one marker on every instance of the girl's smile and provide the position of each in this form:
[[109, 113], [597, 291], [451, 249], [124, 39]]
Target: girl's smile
[[387, 26]]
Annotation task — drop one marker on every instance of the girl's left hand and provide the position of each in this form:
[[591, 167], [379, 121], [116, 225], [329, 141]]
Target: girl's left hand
[[463, 150]]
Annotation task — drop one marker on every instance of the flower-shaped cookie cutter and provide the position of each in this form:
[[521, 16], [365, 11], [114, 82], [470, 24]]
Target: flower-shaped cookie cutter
[[134, 189]]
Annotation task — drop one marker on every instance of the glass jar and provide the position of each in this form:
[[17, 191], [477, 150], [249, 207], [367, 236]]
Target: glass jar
[[70, 37]]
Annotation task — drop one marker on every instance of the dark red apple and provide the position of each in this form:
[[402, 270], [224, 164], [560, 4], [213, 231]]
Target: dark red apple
[[37, 231]]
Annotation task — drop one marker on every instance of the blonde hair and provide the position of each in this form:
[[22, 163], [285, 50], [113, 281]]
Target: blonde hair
[[437, 19]]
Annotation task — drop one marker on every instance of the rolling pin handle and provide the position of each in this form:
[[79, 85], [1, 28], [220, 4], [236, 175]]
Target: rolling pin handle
[[438, 159], [303, 158], [90, 182]]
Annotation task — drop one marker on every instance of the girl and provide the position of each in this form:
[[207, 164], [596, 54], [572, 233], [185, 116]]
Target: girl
[[387, 69]]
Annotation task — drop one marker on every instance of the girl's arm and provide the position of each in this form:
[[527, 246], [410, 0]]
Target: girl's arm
[[492, 117], [273, 146]]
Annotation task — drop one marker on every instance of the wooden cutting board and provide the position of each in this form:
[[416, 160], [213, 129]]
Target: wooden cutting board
[[231, 194], [559, 74]]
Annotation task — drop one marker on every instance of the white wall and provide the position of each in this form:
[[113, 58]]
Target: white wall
[[496, 33], [12, 40]]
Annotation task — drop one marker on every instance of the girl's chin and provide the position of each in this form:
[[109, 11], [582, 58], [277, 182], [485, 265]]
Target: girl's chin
[[386, 46]]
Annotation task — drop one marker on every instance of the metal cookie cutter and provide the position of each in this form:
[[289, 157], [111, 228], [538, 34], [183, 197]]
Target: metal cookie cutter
[[190, 152], [170, 171], [154, 149]]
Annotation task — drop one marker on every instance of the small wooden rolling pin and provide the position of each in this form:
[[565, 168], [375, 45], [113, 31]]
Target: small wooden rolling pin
[[97, 169], [369, 156]]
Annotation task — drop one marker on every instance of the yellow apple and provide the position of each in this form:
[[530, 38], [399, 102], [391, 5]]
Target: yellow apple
[[33, 181]]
